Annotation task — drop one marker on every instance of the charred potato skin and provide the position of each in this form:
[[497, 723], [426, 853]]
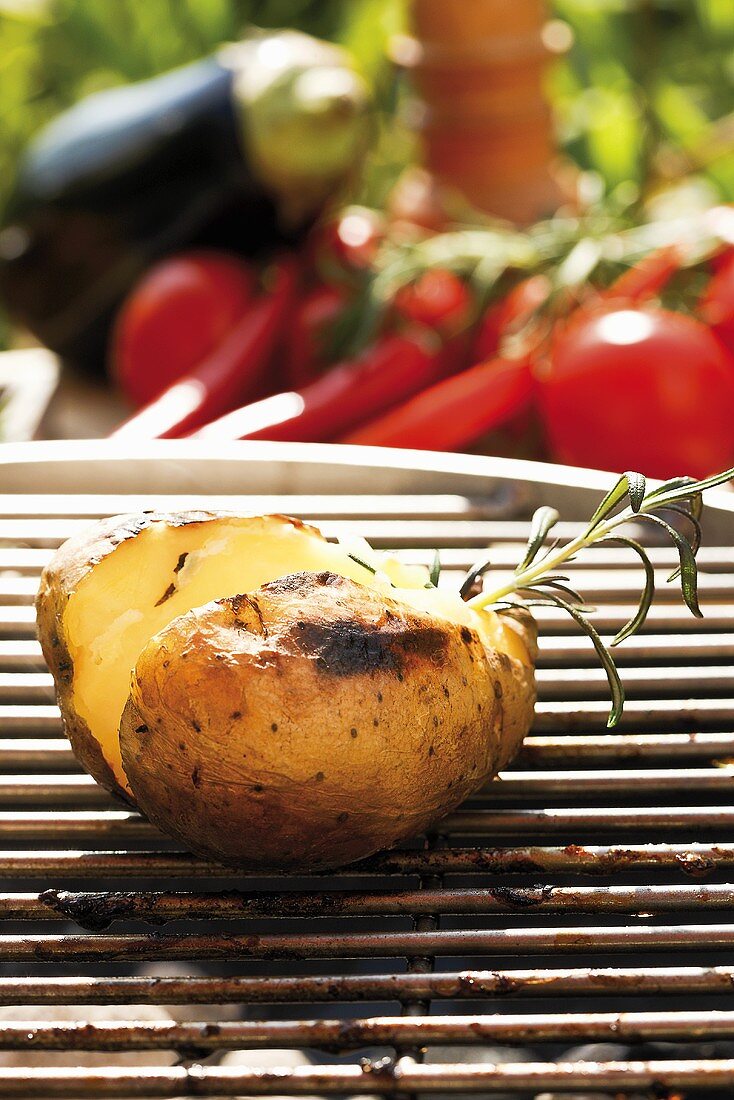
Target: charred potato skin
[[314, 722], [61, 577]]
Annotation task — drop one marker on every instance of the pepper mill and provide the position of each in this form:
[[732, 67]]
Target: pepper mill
[[486, 126]]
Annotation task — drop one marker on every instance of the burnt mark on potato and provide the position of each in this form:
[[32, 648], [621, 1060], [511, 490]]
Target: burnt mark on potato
[[196, 776], [467, 635], [181, 562], [352, 647], [301, 582], [349, 647], [167, 594], [141, 729], [236, 603], [65, 671], [235, 715]]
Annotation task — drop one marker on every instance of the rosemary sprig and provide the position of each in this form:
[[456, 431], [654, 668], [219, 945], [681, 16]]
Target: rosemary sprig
[[536, 581]]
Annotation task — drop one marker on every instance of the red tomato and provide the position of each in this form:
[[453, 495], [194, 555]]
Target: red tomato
[[175, 316], [438, 299], [349, 241], [639, 389], [307, 347], [717, 304]]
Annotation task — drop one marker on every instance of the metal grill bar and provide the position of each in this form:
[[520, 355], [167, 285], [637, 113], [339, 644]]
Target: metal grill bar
[[81, 790], [550, 716], [102, 825], [553, 683], [50, 754], [377, 1031], [96, 911], [695, 858], [47, 753], [457, 985], [555, 651], [356, 945], [19, 622], [384, 1077]]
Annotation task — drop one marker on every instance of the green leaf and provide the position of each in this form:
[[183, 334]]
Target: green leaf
[[688, 567], [695, 542], [680, 488], [544, 519], [637, 486], [648, 593], [370, 568], [473, 576], [629, 483], [615, 684], [435, 569]]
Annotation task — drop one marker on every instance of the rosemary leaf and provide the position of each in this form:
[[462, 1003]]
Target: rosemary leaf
[[629, 484], [435, 569], [475, 573], [369, 568], [688, 568], [648, 593], [615, 684], [695, 542], [543, 520], [637, 486]]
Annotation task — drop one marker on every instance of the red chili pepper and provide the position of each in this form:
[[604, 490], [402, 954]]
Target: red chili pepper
[[454, 413], [514, 309], [396, 366], [306, 352], [647, 277], [226, 376]]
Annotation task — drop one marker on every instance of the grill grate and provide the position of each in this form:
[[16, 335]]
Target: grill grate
[[581, 899]]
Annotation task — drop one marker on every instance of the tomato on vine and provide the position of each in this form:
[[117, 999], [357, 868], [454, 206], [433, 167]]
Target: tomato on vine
[[638, 388]]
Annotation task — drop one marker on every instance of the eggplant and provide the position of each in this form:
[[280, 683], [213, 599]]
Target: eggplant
[[240, 150]]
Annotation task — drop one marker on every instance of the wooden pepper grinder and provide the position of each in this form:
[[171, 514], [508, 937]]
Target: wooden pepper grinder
[[486, 126]]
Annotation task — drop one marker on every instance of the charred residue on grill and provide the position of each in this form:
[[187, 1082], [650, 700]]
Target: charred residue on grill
[[96, 911], [521, 897]]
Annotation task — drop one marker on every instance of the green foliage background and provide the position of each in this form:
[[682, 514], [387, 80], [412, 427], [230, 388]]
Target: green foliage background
[[640, 95]]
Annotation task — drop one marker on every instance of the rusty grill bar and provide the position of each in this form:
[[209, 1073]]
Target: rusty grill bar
[[586, 896]]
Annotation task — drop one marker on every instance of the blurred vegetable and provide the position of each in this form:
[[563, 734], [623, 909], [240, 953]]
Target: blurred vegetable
[[176, 315], [310, 334], [395, 367], [454, 413], [231, 372], [638, 388], [647, 277], [437, 299], [346, 245], [511, 311], [717, 303], [242, 148]]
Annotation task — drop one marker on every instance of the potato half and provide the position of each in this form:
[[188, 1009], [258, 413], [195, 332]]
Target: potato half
[[106, 592], [314, 721]]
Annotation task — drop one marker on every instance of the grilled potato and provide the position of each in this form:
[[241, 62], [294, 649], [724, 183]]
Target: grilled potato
[[314, 721], [293, 704]]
